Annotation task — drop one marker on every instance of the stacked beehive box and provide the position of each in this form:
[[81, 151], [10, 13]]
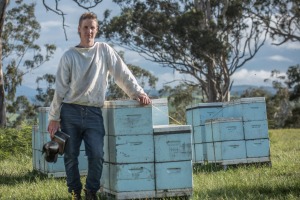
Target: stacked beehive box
[[144, 157], [40, 136], [131, 150], [202, 142], [235, 132], [173, 160], [146, 160], [255, 126], [160, 111]]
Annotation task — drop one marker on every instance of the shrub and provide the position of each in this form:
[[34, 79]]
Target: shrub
[[15, 141]]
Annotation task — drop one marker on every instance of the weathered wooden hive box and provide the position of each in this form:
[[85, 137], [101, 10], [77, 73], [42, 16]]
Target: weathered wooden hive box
[[131, 150], [138, 161], [160, 111], [40, 136], [196, 115], [250, 109], [228, 138], [233, 132], [173, 160]]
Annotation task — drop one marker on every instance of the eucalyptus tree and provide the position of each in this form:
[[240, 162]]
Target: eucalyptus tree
[[293, 82], [208, 40], [3, 7], [84, 4], [20, 52], [284, 106], [281, 17], [145, 78], [179, 97], [45, 95]]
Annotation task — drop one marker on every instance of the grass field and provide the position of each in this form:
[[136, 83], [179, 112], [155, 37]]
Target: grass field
[[281, 181]]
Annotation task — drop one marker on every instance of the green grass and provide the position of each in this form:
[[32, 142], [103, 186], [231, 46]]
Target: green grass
[[281, 181]]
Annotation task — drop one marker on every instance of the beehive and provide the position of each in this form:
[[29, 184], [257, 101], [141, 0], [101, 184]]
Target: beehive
[[160, 111], [173, 160], [234, 132], [250, 109], [198, 114], [128, 118], [225, 129], [172, 143]]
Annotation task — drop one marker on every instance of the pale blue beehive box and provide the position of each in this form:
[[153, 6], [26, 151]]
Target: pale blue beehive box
[[104, 111], [198, 156], [193, 153], [160, 111], [104, 181], [172, 142], [248, 108], [189, 116], [105, 149], [131, 148], [200, 135], [256, 129], [43, 119], [40, 138], [225, 129], [204, 152], [128, 118], [174, 175], [35, 137], [208, 131], [132, 177], [258, 148], [253, 108], [56, 169], [205, 111], [230, 150]]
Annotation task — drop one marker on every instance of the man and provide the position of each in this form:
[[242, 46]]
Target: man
[[81, 82]]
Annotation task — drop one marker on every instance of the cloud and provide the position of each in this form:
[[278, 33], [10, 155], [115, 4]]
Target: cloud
[[279, 58], [250, 77], [292, 45], [49, 25]]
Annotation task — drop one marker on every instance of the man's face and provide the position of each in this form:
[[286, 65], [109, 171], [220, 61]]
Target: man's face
[[88, 30]]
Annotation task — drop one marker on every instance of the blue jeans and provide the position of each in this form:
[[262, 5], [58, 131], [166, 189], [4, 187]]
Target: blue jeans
[[83, 123]]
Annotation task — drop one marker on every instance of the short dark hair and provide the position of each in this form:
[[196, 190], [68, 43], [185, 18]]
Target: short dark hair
[[88, 15]]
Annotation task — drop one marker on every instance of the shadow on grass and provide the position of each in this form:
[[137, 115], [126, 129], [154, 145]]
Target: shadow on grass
[[30, 176], [256, 192], [215, 167]]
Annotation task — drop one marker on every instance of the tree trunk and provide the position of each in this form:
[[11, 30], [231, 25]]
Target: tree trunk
[[3, 6], [211, 79]]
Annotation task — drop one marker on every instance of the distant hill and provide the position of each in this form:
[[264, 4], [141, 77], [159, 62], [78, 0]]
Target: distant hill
[[235, 90], [26, 91], [239, 89]]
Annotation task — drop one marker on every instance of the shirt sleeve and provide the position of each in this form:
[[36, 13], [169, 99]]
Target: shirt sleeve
[[61, 88], [122, 75]]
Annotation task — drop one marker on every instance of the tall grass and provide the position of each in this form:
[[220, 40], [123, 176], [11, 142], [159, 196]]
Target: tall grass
[[280, 181]]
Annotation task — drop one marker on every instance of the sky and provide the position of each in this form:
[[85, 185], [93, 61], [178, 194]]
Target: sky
[[269, 57]]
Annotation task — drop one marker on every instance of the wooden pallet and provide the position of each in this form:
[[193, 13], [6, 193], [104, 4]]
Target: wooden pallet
[[183, 193], [59, 174], [258, 160], [111, 195]]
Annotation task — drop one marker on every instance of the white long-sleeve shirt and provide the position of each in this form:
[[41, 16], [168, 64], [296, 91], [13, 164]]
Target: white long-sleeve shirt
[[82, 77]]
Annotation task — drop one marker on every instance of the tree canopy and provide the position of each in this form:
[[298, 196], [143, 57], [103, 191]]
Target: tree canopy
[[207, 40], [20, 52]]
